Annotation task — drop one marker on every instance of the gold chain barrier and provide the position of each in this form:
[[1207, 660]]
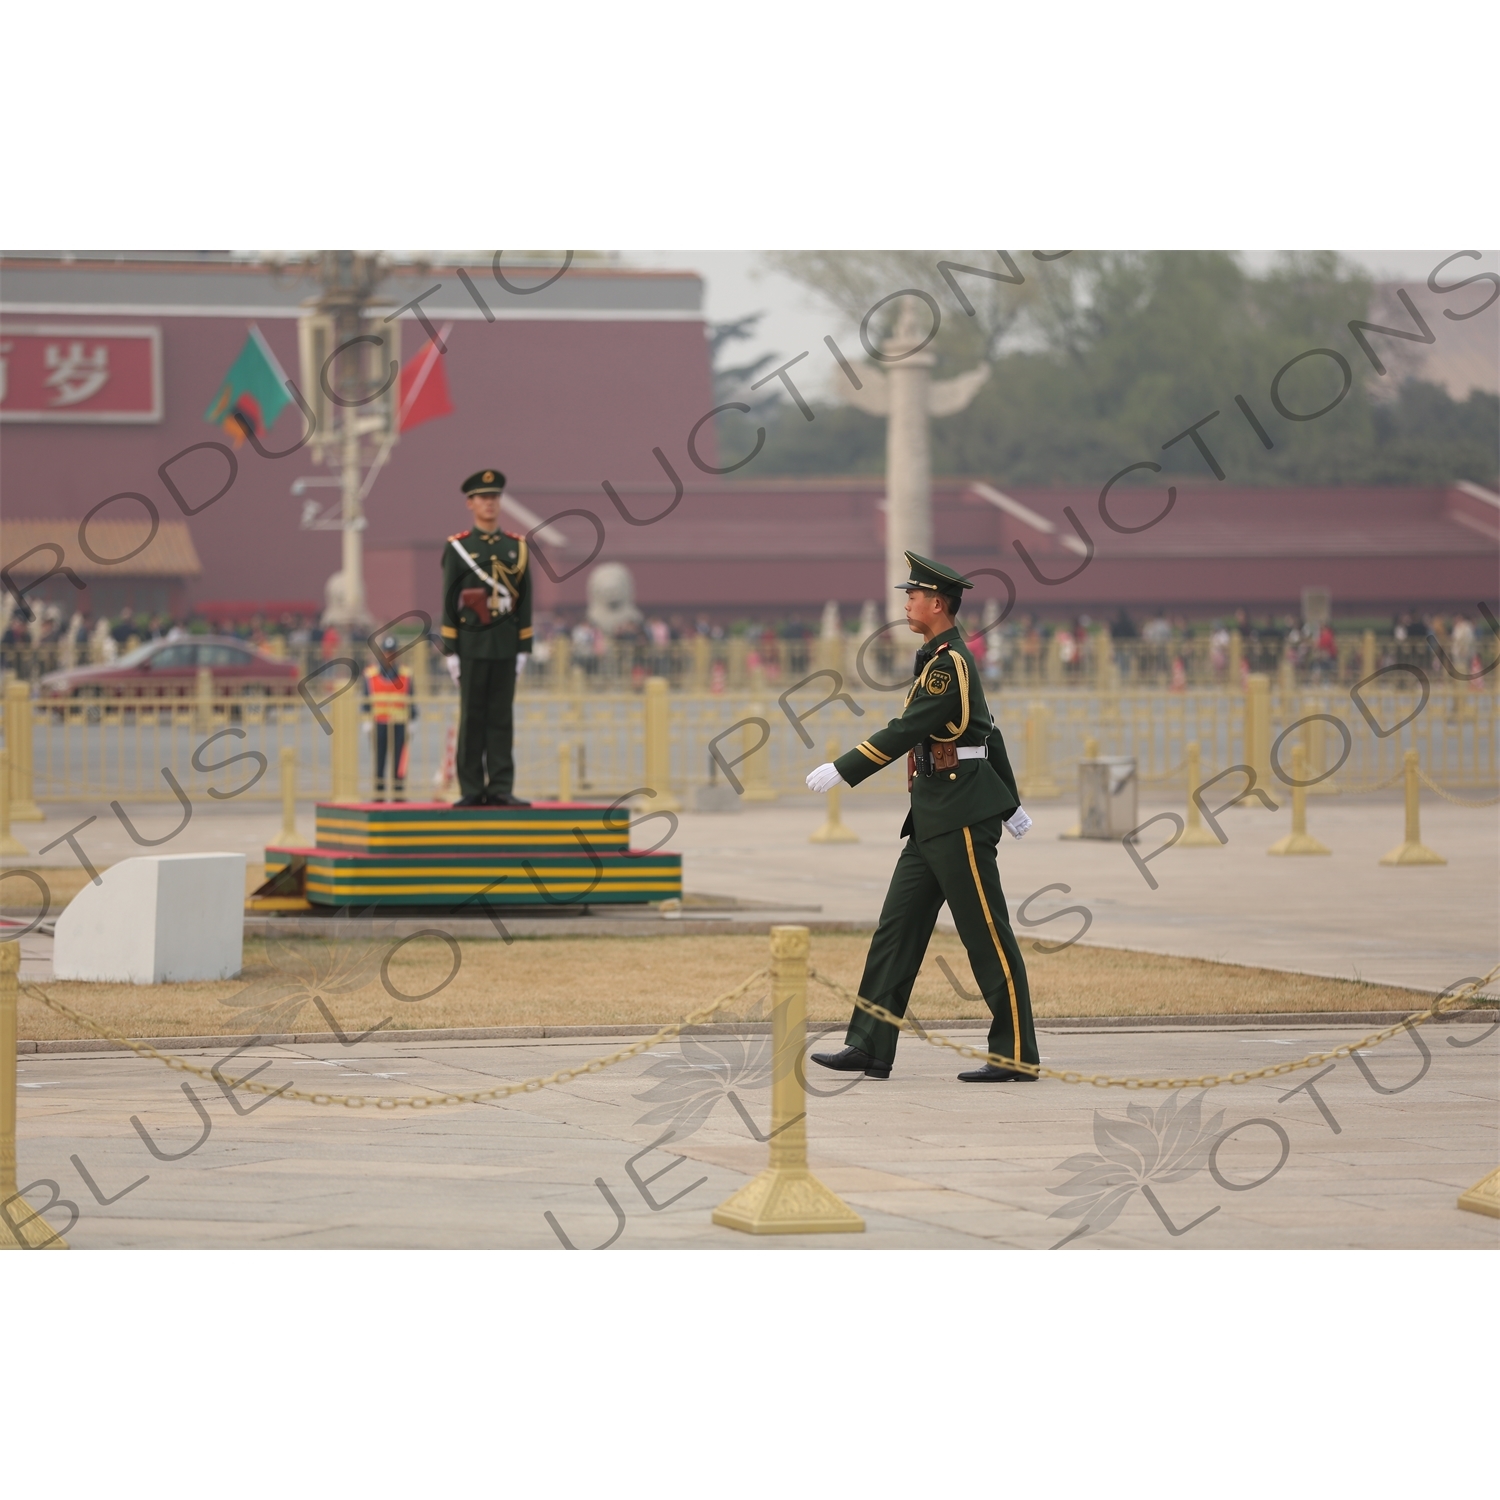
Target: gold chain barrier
[[416, 1101], [1208, 1081], [1431, 785]]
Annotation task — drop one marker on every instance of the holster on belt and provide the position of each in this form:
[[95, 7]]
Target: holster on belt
[[478, 600], [927, 757]]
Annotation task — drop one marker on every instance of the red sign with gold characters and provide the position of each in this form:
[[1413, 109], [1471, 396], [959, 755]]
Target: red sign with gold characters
[[76, 373]]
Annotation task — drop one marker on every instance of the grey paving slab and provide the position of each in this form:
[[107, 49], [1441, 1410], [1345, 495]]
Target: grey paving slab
[[928, 1162], [1344, 915]]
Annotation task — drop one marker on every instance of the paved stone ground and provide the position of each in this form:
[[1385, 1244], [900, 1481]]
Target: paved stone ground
[[1343, 915], [929, 1162]]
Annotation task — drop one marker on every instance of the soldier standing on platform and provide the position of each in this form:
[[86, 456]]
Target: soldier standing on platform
[[392, 707], [962, 792], [487, 639]]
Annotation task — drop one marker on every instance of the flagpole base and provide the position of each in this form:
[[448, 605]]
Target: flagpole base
[[787, 1200]]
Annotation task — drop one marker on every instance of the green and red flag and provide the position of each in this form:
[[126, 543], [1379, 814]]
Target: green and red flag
[[255, 388]]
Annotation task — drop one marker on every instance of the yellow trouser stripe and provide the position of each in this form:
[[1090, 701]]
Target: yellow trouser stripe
[[1010, 984]]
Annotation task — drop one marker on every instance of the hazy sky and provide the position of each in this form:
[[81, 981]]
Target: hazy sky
[[738, 283]]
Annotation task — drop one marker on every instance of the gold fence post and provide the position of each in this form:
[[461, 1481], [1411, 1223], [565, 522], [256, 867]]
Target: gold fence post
[[702, 662], [1367, 654], [421, 668], [657, 708], [343, 715], [1412, 851], [1315, 739], [1038, 782], [18, 741], [1195, 835], [9, 844], [756, 776], [20, 1228], [1258, 728], [562, 662], [203, 701], [1299, 840], [288, 795], [786, 1198], [834, 829], [564, 770]]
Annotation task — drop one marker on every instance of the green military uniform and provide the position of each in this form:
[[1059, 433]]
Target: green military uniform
[[484, 756], [951, 835]]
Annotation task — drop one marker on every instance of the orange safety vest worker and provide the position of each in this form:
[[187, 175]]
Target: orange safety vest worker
[[389, 700]]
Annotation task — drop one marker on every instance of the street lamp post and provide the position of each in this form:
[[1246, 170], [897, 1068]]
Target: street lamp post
[[350, 359]]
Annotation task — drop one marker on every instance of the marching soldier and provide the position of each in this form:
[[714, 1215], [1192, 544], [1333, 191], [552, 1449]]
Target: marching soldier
[[487, 638], [962, 792], [390, 691]]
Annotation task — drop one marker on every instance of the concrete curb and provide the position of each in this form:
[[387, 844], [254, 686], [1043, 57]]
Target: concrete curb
[[1291, 1020]]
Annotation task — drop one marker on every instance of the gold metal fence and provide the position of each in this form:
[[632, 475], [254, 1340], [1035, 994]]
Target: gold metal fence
[[101, 749]]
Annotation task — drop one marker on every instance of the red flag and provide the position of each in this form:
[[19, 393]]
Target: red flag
[[424, 387]]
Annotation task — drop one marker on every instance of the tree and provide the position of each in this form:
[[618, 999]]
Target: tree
[[1101, 358]]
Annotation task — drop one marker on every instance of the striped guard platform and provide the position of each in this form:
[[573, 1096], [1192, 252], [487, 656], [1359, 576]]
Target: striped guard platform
[[421, 854], [437, 828]]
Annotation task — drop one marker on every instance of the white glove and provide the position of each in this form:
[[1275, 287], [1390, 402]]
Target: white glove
[[826, 775], [521, 664], [451, 662], [504, 601], [1018, 822]]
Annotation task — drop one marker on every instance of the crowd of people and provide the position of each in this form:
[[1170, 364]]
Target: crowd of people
[[1019, 649], [78, 639]]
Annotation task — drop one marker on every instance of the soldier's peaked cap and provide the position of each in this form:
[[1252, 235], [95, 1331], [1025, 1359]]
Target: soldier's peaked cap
[[486, 481], [926, 574]]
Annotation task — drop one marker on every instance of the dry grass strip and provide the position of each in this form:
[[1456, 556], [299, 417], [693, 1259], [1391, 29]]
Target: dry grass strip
[[582, 981]]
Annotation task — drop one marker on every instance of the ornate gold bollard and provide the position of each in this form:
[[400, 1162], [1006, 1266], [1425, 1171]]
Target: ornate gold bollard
[[1195, 835], [21, 1228], [9, 843], [18, 731], [1038, 781], [834, 829], [756, 777], [343, 716], [1257, 751], [564, 771], [1412, 851], [786, 1198], [1484, 1196], [288, 795], [1299, 840]]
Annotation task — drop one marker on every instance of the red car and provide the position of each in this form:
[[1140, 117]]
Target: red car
[[169, 669]]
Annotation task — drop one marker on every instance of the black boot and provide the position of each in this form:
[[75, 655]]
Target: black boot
[[989, 1073], [852, 1060]]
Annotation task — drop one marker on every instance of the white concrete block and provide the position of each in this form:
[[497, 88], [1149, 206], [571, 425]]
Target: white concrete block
[[160, 918]]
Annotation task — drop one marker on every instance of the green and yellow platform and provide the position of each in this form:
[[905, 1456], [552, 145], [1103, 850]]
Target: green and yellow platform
[[430, 854]]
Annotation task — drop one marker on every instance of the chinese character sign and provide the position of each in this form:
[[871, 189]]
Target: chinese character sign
[[73, 373]]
